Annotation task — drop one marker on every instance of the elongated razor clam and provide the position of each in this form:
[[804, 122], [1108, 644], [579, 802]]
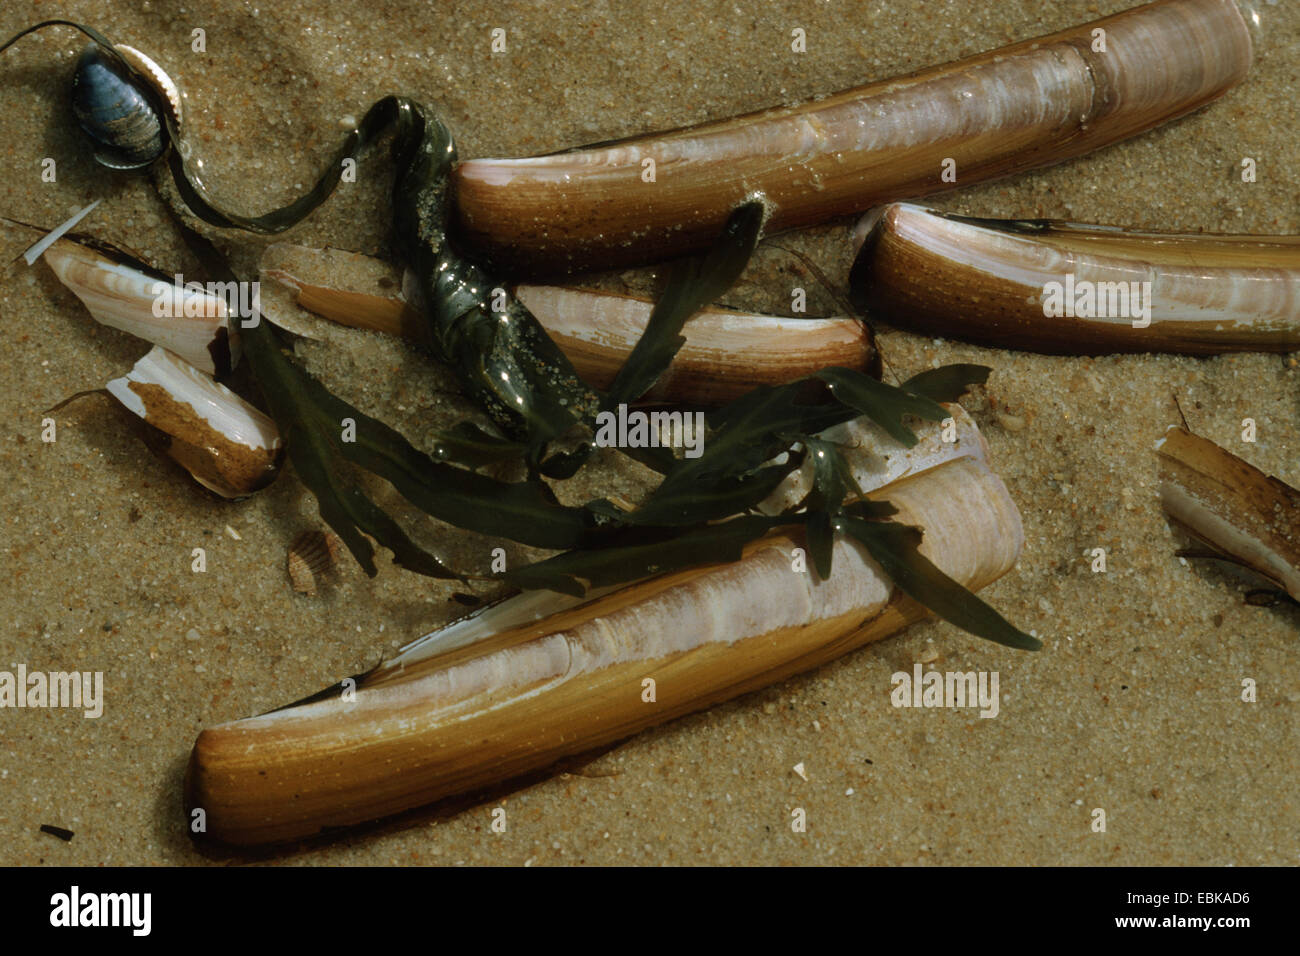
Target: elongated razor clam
[[190, 323], [448, 717], [1031, 104], [727, 353], [229, 446], [1073, 289], [1249, 517]]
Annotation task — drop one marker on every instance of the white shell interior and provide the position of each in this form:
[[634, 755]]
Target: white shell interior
[[217, 405]]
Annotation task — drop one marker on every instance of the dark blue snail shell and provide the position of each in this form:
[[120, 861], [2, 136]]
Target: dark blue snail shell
[[116, 112]]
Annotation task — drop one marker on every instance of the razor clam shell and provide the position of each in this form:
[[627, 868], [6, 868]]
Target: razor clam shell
[[226, 444], [983, 281], [516, 701], [1032, 104], [727, 353], [1232, 506], [123, 297]]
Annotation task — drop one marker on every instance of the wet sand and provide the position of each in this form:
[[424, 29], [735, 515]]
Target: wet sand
[[1132, 706]]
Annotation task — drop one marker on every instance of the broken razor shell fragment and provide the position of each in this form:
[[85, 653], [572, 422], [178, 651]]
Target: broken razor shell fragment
[[1032, 104], [1073, 289], [727, 353], [186, 321], [1250, 518], [345, 287], [534, 679], [229, 446]]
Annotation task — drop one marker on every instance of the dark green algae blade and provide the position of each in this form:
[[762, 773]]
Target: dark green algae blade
[[728, 496], [948, 382], [525, 511], [639, 553], [895, 547], [343, 506], [692, 283], [883, 404], [469, 445], [833, 481], [391, 111], [311, 422]]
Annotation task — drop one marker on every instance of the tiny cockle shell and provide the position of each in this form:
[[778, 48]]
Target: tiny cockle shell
[[163, 83], [312, 555]]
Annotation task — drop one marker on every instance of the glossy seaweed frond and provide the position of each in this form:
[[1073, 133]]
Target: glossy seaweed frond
[[320, 429], [702, 512]]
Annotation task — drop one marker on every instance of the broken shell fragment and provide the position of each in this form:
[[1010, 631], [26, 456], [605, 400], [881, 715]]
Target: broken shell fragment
[[727, 353], [312, 555], [1065, 288], [534, 679], [1028, 105], [345, 287], [229, 446], [1250, 518], [185, 321]]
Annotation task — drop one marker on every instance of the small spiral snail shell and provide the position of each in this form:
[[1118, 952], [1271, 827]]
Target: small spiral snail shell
[[123, 103]]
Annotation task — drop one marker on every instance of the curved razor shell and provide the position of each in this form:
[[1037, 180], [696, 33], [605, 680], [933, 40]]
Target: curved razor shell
[[987, 281], [519, 699], [229, 446], [1031, 104], [727, 353], [191, 324], [1248, 516]]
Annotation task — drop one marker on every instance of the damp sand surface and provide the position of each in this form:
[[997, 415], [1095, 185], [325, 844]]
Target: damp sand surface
[[1133, 706]]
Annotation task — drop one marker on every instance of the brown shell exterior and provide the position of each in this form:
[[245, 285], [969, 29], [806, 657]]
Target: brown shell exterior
[[312, 555]]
